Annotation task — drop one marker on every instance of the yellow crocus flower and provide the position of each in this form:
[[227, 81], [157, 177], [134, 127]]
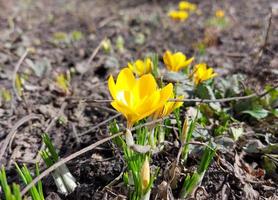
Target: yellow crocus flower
[[185, 5], [167, 108], [179, 15], [137, 98], [202, 73], [177, 61], [141, 67], [219, 13]]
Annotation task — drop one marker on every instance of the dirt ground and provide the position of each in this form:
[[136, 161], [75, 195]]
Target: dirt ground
[[135, 29]]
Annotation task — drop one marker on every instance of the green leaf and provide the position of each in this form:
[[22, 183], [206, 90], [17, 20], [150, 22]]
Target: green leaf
[[269, 165], [76, 35], [258, 113], [275, 112], [236, 132], [60, 37], [204, 91], [120, 44], [139, 39]]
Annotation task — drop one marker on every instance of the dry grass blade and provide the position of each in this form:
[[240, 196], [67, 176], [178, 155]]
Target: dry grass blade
[[9, 137], [15, 73], [100, 124]]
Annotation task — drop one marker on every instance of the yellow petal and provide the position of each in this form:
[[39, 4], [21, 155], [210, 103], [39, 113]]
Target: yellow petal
[[179, 59], [188, 62], [125, 79], [149, 106], [131, 67], [203, 73], [146, 85], [112, 87], [166, 93], [167, 58]]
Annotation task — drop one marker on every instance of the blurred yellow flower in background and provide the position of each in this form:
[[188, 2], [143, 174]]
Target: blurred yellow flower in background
[[179, 15], [167, 108], [137, 98], [177, 61], [202, 73], [219, 13], [141, 67], [185, 5]]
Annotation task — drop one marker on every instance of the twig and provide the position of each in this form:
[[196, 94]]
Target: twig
[[265, 92], [100, 124], [115, 180], [10, 136], [51, 124], [74, 132], [266, 35], [15, 73], [105, 108], [93, 55]]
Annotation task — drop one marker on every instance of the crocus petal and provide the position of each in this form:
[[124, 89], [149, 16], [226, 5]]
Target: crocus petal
[[188, 62], [166, 93], [146, 85], [202, 73], [112, 87], [125, 79]]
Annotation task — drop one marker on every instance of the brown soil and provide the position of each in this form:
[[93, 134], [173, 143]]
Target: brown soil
[[145, 28]]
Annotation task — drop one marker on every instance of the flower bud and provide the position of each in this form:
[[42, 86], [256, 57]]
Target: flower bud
[[145, 174], [129, 138], [184, 130]]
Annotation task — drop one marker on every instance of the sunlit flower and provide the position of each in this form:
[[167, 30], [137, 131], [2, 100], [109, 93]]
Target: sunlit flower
[[145, 174], [167, 108], [185, 5], [141, 67], [137, 98], [202, 73], [219, 13], [179, 15], [177, 61]]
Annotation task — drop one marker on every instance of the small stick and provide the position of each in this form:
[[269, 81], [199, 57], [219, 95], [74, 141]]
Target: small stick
[[265, 92], [74, 132], [15, 73], [93, 55], [266, 36], [100, 124], [13, 131]]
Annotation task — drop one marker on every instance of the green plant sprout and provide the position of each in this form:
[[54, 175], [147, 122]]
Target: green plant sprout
[[36, 192], [192, 181], [63, 179], [186, 135], [138, 176], [9, 193]]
